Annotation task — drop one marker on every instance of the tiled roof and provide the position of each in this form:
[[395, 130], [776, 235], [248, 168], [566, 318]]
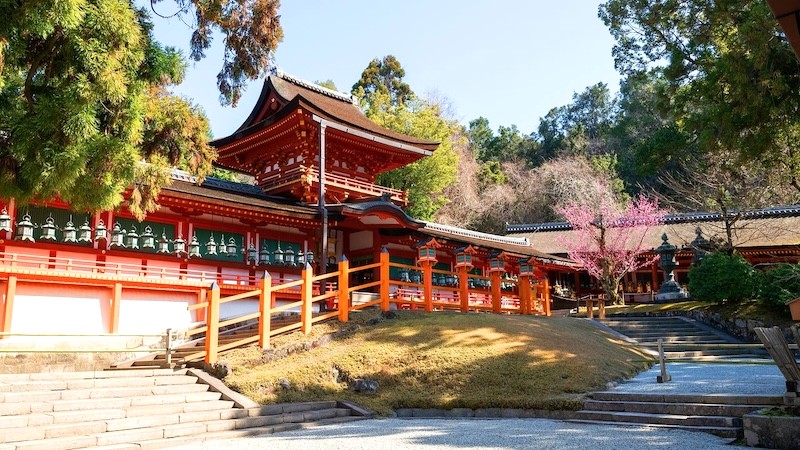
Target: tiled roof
[[516, 245], [334, 106], [232, 191], [689, 217], [767, 227]]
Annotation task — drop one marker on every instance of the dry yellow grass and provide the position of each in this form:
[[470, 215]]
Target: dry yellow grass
[[445, 360]]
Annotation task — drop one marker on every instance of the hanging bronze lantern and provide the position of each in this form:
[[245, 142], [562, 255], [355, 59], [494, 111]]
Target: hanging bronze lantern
[[49, 230], [117, 236], [194, 248], [289, 256], [85, 233], [211, 246], [277, 256], [25, 229], [252, 253], [100, 233], [148, 239], [222, 249], [310, 257], [231, 248], [132, 239], [180, 245], [5, 221], [70, 233], [163, 244], [263, 255]]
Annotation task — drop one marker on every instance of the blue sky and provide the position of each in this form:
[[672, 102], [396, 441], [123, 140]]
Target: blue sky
[[509, 61]]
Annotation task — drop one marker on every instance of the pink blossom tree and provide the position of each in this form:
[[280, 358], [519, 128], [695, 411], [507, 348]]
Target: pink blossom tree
[[608, 240]]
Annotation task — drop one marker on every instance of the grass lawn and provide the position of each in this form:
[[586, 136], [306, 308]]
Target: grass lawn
[[443, 360], [751, 309]]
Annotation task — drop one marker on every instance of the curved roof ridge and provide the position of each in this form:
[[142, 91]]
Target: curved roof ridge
[[477, 234], [315, 87]]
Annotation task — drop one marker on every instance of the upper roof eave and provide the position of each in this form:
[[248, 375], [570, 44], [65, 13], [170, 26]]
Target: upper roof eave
[[333, 109]]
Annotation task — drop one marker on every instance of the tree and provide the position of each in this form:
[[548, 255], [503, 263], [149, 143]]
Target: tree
[[251, 30], [425, 179], [579, 128], [730, 79], [383, 76], [608, 240], [390, 102], [85, 114], [723, 186]]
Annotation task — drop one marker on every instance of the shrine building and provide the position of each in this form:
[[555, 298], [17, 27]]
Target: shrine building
[[314, 157]]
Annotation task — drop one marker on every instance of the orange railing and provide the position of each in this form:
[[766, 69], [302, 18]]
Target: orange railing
[[335, 291], [281, 180]]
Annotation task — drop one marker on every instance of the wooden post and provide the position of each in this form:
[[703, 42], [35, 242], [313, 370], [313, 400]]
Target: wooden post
[[8, 305], [212, 325], [344, 287], [427, 287], [306, 293], [116, 299], [384, 274], [546, 297], [463, 288], [601, 308], [524, 288], [590, 308], [497, 307], [265, 307]]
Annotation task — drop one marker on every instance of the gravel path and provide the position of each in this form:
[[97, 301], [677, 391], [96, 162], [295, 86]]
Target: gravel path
[[489, 434], [471, 434], [699, 378]]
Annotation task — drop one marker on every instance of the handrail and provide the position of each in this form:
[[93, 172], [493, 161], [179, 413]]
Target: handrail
[[292, 175]]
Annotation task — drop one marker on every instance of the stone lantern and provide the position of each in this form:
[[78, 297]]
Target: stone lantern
[[670, 289], [700, 246]]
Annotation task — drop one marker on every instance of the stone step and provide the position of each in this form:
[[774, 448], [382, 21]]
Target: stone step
[[650, 333], [675, 353], [98, 374], [716, 399], [66, 417], [661, 419], [19, 391], [705, 409], [724, 432], [171, 434], [44, 406], [684, 340]]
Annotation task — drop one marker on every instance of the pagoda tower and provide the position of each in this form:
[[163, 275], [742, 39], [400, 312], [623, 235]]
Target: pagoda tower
[[279, 144]]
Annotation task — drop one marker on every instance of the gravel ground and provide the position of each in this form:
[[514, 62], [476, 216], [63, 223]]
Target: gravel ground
[[699, 378], [489, 434], [471, 434]]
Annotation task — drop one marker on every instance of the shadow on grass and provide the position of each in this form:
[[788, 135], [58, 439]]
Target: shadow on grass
[[452, 360]]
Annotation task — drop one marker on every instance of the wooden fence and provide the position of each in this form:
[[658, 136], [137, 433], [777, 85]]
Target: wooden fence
[[334, 295]]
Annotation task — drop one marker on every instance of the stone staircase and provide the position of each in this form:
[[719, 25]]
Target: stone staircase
[[717, 414], [141, 409], [684, 339]]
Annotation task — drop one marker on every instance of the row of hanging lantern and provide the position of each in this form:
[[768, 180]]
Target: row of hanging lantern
[[71, 234], [121, 238]]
